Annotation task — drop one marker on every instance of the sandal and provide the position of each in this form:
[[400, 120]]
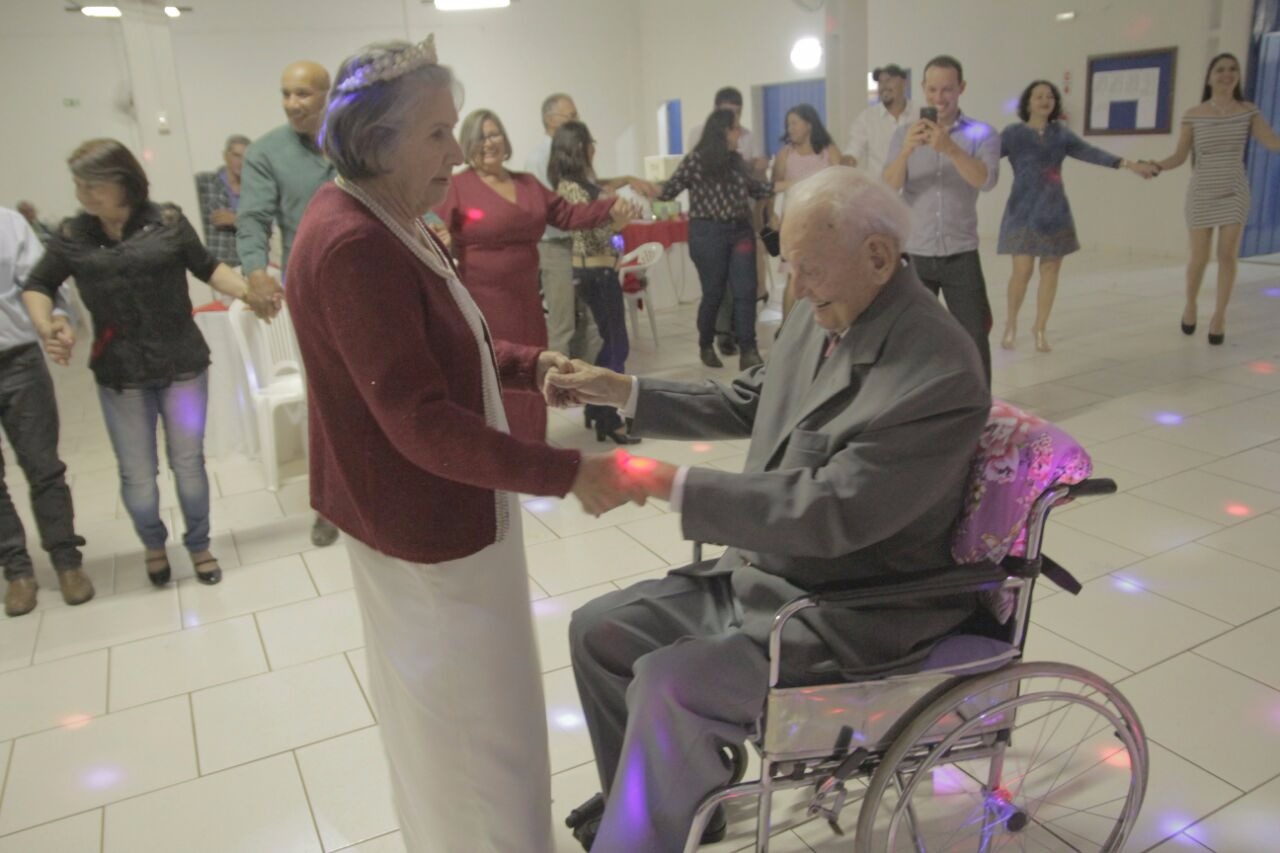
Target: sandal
[[158, 569], [211, 576]]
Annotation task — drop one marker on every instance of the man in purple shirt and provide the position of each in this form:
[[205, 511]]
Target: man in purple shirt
[[941, 165]]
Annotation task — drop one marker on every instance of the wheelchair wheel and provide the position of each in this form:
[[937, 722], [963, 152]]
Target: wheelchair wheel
[[1037, 756]]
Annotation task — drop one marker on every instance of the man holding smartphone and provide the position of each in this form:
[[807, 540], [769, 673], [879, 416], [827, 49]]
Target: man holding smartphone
[[941, 163]]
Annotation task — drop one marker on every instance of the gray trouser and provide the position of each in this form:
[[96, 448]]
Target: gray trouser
[[665, 681], [959, 278], [570, 329], [29, 414]]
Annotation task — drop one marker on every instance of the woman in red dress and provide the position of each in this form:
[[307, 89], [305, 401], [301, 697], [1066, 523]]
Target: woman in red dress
[[495, 218]]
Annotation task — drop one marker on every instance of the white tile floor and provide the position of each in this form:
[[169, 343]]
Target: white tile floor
[[234, 718]]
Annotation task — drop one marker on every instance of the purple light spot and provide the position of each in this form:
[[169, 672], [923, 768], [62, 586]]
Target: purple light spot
[[567, 720], [1173, 823], [546, 607], [540, 505], [186, 408], [1125, 585], [98, 778], [976, 132], [1271, 291], [1011, 105], [1168, 418], [635, 799]]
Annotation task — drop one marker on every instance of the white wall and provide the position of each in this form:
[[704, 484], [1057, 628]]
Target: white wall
[[507, 60], [46, 56], [1005, 44], [619, 59], [694, 47]]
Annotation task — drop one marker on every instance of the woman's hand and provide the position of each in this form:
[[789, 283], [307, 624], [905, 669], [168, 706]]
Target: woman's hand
[[264, 307], [443, 234], [1144, 168], [624, 211], [58, 339]]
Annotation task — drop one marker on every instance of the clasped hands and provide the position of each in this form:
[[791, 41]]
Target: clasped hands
[[58, 338], [605, 480]]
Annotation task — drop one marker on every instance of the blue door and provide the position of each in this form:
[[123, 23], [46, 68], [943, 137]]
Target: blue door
[[1262, 232], [781, 97]]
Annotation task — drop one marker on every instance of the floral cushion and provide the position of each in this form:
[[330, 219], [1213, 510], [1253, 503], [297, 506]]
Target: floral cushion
[[1019, 457]]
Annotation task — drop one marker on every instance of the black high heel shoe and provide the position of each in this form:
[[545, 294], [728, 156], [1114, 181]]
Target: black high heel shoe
[[617, 435], [1188, 328], [1218, 339], [609, 425]]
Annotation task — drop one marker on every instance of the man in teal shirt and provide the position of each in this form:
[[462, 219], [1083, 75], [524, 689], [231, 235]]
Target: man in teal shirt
[[282, 170]]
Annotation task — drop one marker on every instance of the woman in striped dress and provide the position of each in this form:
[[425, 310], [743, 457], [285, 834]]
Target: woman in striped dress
[[1215, 133]]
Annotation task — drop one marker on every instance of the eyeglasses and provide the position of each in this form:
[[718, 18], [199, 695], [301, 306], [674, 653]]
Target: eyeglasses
[[492, 137]]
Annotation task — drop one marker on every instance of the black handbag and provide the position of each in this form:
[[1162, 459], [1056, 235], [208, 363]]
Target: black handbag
[[768, 234]]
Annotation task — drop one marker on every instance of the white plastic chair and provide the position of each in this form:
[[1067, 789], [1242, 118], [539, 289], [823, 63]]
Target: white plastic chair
[[639, 260], [274, 367]]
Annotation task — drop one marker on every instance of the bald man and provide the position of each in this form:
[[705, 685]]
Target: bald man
[[282, 170]]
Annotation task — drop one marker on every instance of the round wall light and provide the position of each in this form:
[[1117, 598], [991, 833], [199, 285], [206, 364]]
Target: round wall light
[[806, 53]]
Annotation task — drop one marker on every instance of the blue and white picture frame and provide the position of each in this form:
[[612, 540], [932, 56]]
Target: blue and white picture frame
[[1130, 93]]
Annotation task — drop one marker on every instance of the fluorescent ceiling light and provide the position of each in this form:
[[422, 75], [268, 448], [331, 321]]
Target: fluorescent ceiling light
[[806, 55], [1066, 16], [100, 11], [466, 5], [173, 11]]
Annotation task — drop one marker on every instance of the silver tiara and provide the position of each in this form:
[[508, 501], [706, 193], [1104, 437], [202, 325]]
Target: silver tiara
[[392, 65]]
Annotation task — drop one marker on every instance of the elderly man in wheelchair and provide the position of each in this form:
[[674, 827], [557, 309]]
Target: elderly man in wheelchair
[[857, 632]]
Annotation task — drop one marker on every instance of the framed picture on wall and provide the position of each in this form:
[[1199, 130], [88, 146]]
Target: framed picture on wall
[[1130, 93]]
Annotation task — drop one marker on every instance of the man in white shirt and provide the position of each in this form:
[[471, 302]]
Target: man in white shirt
[[29, 416], [569, 328], [875, 126]]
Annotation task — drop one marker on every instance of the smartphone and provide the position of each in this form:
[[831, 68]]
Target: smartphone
[[930, 113]]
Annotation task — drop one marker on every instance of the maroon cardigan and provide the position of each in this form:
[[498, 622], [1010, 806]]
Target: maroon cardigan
[[401, 457]]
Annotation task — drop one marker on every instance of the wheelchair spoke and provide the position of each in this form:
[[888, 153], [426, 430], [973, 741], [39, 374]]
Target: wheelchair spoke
[[1067, 772]]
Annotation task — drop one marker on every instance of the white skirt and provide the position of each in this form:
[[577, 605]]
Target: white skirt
[[457, 687]]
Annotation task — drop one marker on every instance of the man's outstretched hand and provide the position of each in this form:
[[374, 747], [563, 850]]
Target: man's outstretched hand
[[581, 383]]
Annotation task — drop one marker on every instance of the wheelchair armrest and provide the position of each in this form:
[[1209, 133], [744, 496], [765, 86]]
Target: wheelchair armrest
[[1091, 487], [948, 580]]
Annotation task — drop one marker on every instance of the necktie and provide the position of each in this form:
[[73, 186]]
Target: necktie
[[833, 341]]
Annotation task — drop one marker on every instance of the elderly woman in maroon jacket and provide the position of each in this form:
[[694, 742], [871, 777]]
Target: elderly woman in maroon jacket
[[411, 458]]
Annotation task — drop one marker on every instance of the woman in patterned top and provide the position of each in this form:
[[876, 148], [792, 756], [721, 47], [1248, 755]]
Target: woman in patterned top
[[1215, 133], [722, 243], [1037, 218], [595, 264]]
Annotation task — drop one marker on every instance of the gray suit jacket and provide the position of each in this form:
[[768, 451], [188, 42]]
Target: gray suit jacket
[[856, 468]]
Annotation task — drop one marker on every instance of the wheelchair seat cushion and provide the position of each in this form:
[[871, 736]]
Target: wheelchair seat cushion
[[1019, 457], [970, 653]]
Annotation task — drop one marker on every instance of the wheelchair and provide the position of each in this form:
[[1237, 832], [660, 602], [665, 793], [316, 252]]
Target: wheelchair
[[977, 750]]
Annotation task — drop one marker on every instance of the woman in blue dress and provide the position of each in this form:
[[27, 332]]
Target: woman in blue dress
[[1037, 218]]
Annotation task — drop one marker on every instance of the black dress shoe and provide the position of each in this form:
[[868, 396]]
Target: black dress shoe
[[728, 346], [709, 357], [585, 823], [749, 358]]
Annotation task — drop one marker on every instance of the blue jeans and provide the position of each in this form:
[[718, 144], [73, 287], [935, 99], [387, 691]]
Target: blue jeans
[[724, 253], [600, 289], [131, 416]]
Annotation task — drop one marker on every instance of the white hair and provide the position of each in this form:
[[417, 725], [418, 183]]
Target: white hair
[[376, 95], [856, 203]]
